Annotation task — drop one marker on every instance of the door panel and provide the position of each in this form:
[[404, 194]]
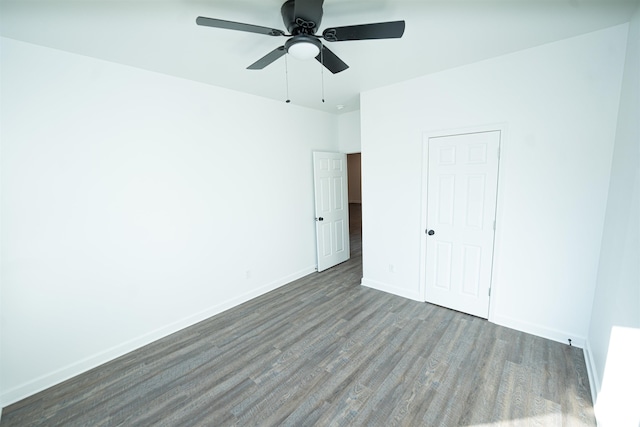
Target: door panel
[[443, 265], [461, 205], [332, 208]]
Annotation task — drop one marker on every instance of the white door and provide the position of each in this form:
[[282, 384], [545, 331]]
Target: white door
[[462, 184], [332, 208]]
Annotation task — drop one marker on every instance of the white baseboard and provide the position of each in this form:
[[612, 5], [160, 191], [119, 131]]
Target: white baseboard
[[384, 287], [592, 372], [540, 331], [48, 380]]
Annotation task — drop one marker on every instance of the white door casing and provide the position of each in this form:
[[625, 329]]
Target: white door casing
[[332, 208], [462, 183]]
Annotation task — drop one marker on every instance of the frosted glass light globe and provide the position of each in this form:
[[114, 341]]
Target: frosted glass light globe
[[303, 50]]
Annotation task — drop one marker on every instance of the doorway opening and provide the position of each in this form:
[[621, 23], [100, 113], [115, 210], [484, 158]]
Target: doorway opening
[[354, 180]]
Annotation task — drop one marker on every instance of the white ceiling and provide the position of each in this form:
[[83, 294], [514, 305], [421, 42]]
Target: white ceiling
[[162, 36]]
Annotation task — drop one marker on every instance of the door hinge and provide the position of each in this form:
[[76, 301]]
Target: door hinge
[[489, 291], [494, 225]]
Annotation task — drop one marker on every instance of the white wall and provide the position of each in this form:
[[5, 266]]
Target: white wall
[[135, 204], [349, 132], [559, 104], [617, 294]]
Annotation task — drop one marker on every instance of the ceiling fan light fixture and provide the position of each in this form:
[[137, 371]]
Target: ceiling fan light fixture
[[303, 47], [304, 51]]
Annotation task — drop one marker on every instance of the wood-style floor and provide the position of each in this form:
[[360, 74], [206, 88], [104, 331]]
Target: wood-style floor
[[326, 351]]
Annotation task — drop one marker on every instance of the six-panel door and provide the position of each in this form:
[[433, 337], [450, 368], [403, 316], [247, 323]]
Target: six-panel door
[[332, 208], [461, 206]]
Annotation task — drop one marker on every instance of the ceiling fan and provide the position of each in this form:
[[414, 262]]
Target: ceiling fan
[[302, 18]]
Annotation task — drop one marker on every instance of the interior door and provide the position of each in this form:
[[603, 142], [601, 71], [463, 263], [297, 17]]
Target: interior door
[[332, 208], [462, 187]]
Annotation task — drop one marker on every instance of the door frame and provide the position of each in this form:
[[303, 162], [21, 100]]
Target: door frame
[[502, 128]]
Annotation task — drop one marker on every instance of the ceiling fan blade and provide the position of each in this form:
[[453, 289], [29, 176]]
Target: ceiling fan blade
[[268, 58], [238, 26], [331, 61], [380, 30]]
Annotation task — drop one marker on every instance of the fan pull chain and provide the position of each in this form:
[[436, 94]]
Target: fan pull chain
[[286, 74], [322, 70]]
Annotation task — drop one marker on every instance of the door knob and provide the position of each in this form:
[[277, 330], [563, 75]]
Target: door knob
[[431, 232], [320, 219]]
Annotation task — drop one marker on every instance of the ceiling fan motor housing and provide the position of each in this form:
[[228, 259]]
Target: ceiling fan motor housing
[[302, 24]]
